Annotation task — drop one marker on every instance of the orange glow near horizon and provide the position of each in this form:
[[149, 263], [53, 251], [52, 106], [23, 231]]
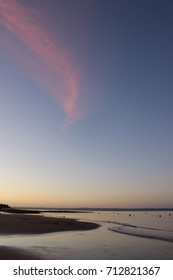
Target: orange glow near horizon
[[27, 196], [46, 63]]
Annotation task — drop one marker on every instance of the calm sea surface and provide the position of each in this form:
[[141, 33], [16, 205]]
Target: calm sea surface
[[122, 235]]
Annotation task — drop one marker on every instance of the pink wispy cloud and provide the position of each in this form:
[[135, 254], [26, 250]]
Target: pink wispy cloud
[[48, 64]]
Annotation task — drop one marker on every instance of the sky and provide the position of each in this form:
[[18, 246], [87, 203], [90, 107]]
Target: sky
[[86, 104]]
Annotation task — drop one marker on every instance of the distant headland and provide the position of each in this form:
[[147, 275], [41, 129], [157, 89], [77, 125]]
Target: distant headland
[[6, 208], [39, 210]]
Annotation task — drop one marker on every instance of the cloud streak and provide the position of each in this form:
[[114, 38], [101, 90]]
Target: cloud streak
[[45, 62]]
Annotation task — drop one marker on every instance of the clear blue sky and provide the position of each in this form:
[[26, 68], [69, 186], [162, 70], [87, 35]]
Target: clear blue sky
[[86, 103]]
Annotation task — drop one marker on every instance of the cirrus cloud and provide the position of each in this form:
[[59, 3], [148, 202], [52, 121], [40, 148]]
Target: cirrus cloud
[[40, 55]]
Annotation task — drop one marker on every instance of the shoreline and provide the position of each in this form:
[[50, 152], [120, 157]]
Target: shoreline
[[22, 224], [35, 224]]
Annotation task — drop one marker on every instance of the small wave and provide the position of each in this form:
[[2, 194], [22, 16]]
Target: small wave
[[152, 233], [134, 226]]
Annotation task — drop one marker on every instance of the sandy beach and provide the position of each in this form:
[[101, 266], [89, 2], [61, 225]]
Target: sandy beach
[[150, 239], [11, 224], [31, 224], [12, 253]]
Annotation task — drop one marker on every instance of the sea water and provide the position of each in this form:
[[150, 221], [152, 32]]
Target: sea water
[[121, 235]]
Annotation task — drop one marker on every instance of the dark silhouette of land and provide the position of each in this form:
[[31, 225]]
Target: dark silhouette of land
[[4, 206], [37, 224]]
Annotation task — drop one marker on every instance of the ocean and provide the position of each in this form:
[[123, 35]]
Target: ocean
[[128, 235]]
